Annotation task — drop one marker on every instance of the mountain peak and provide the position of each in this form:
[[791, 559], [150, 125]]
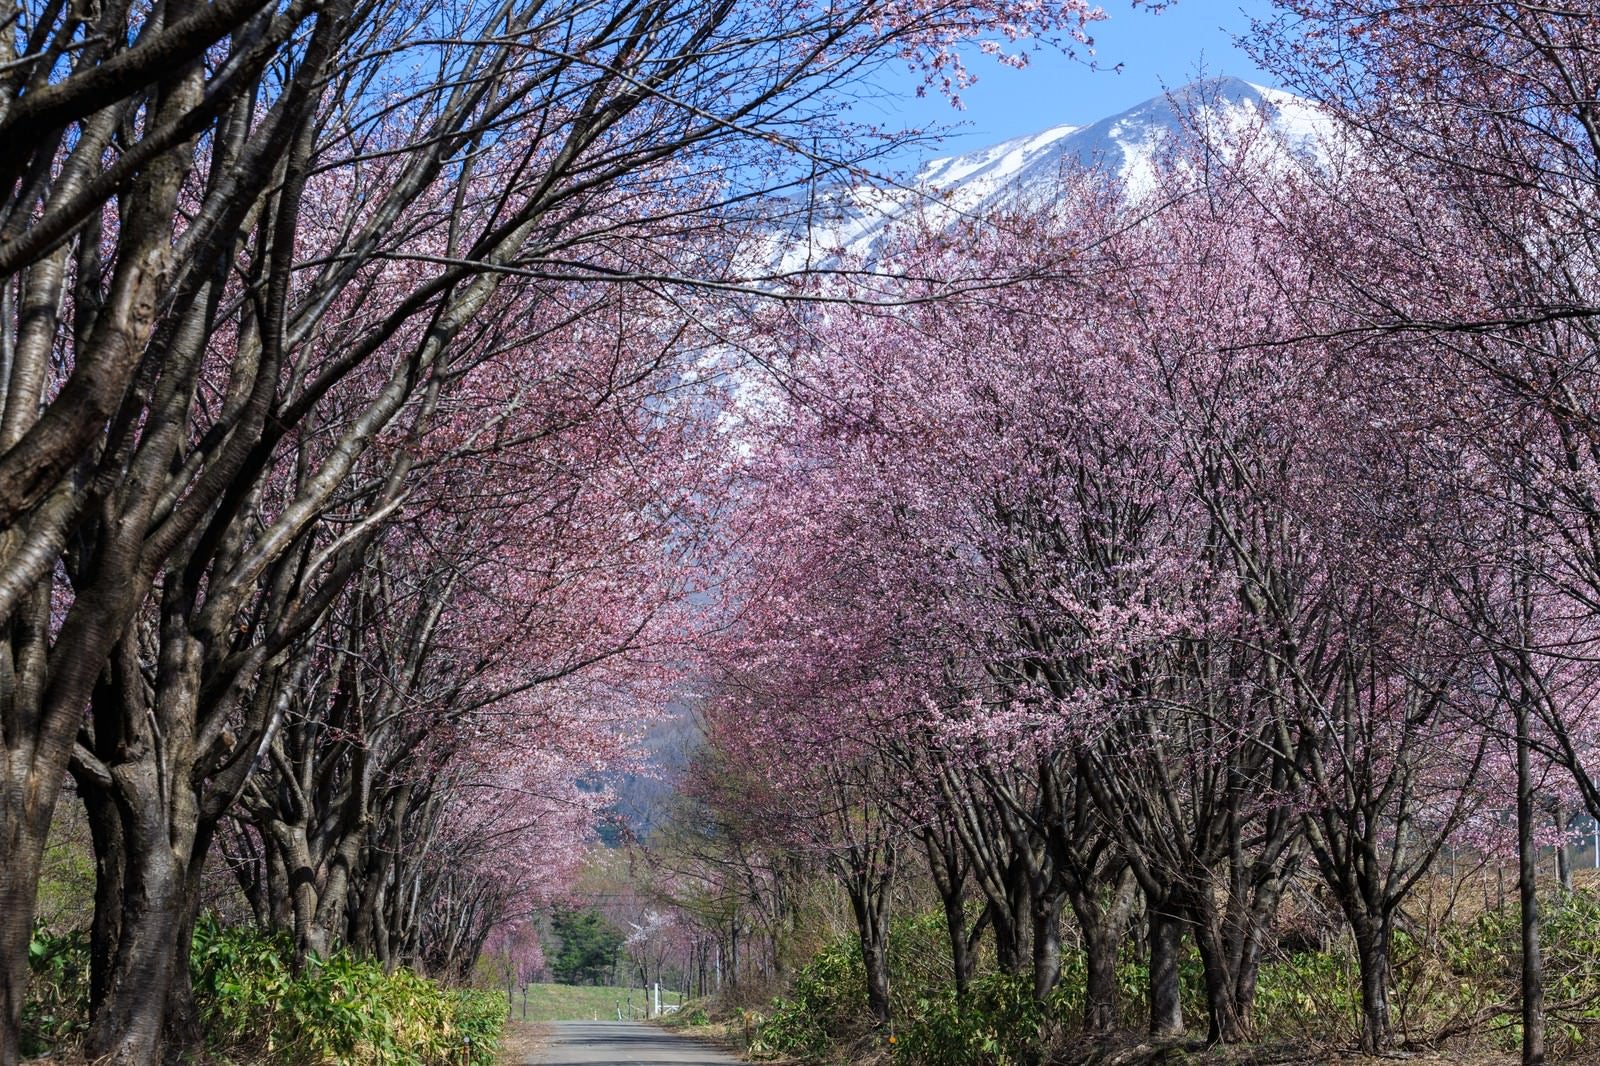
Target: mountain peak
[[1126, 145]]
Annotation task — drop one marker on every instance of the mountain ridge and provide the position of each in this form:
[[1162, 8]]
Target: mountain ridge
[[857, 220]]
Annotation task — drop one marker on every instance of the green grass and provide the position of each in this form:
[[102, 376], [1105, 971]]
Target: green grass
[[568, 1003]]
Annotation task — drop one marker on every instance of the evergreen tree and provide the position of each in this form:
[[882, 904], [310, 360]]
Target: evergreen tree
[[589, 947]]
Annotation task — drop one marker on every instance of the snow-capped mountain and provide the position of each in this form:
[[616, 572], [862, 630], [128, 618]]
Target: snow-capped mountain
[[856, 220]]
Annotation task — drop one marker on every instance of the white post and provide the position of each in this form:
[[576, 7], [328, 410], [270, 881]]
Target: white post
[[657, 991]]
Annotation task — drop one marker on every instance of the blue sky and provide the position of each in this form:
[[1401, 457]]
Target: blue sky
[[1157, 51]]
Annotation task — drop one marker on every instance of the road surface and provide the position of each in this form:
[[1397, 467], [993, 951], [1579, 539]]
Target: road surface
[[622, 1043]]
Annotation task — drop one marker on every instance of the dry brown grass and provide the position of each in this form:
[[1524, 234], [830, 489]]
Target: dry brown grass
[[524, 1043], [1128, 1050]]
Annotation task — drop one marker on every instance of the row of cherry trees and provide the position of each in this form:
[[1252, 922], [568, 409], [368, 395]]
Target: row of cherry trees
[[356, 392], [1252, 537]]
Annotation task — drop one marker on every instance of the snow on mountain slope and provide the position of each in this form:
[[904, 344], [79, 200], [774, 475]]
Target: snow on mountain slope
[[857, 220]]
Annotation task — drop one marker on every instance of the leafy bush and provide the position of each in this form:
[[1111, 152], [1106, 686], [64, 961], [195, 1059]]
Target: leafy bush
[[998, 1024], [826, 1003], [480, 1016], [919, 958], [56, 1012], [337, 1010], [1460, 982], [1480, 965], [1310, 992]]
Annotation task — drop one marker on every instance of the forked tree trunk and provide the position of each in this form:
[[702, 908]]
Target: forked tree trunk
[[1262, 913], [963, 942], [35, 745], [295, 856], [1229, 940], [127, 1026], [1008, 943], [105, 930], [876, 957], [949, 868], [1225, 1024], [1011, 926], [370, 931], [148, 887], [182, 1030]]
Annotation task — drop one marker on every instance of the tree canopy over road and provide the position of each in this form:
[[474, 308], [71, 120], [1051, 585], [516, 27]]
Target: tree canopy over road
[[403, 403]]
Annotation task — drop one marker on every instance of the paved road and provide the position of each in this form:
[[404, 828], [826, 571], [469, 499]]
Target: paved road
[[616, 1043]]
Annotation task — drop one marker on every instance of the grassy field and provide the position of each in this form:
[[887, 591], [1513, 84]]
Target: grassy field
[[563, 1003]]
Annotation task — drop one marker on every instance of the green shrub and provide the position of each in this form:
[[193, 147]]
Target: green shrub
[[1309, 992], [56, 1012], [479, 1016], [999, 1024], [1480, 970], [1461, 982], [337, 1010], [826, 1003], [919, 959]]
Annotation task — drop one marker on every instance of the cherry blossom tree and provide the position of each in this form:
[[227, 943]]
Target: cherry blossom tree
[[1121, 526], [286, 262], [1476, 121]]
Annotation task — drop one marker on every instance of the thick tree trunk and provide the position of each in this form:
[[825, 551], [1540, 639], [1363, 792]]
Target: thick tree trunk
[[1100, 983], [1225, 1026], [1102, 929], [1166, 946], [153, 893], [1261, 918], [870, 901], [332, 915], [1011, 922], [371, 931], [1372, 954], [110, 859], [24, 825], [34, 749], [1229, 941], [949, 870], [1008, 948], [183, 1014], [1247, 971], [1222, 1023], [876, 957], [295, 857], [182, 1031], [127, 1028], [1046, 944]]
